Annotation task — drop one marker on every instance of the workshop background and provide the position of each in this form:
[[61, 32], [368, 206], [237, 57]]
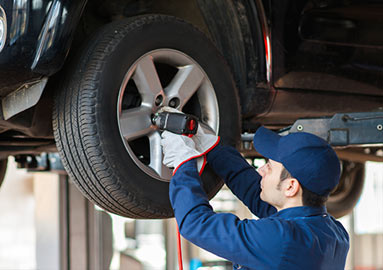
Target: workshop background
[[45, 223]]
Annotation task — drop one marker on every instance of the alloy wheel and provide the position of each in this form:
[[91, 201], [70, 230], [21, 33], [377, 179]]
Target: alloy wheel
[[163, 77]]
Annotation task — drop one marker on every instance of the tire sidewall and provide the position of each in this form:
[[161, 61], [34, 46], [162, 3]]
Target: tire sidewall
[[344, 206], [174, 34]]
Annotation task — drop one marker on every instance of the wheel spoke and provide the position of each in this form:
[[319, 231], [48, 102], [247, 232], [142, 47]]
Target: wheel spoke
[[156, 156], [186, 82], [147, 81], [135, 123]]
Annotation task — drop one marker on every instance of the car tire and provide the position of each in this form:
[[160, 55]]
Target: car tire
[[3, 169], [345, 196], [102, 113]]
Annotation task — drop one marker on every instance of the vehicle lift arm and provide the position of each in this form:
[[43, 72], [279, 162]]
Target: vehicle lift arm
[[341, 130]]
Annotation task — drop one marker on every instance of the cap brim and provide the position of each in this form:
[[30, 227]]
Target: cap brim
[[266, 142]]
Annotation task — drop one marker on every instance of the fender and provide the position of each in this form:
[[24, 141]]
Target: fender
[[38, 39]]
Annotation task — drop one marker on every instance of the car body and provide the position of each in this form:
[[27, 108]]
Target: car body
[[289, 59]]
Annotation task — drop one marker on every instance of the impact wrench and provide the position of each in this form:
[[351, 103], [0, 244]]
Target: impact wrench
[[183, 124], [178, 123]]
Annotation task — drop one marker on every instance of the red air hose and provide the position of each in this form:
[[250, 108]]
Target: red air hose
[[180, 266]]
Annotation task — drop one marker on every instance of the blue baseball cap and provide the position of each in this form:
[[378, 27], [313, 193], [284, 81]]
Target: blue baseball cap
[[308, 158]]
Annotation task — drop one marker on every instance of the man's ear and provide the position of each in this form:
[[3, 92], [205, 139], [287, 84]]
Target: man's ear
[[292, 187]]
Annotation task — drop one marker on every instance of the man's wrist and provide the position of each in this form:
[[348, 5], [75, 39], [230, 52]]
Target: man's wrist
[[213, 153], [189, 164]]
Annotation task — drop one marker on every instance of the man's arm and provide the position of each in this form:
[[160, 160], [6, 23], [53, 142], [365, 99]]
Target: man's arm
[[242, 179], [246, 242]]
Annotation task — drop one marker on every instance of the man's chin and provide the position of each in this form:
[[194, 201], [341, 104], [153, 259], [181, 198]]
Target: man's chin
[[262, 196]]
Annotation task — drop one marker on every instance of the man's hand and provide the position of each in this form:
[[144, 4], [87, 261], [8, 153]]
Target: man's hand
[[178, 149], [169, 109], [205, 139]]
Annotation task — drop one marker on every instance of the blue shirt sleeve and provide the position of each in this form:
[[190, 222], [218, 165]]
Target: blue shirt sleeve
[[242, 179], [245, 242]]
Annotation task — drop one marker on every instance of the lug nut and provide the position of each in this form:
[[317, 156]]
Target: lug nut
[[159, 100], [174, 102]]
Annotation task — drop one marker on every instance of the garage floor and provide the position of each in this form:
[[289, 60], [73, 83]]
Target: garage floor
[[45, 223]]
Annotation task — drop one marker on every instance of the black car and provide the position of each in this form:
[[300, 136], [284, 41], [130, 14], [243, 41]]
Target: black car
[[85, 77]]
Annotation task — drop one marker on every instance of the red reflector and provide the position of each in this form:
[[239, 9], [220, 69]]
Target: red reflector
[[191, 124]]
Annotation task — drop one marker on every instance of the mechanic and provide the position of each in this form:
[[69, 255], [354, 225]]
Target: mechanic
[[288, 194]]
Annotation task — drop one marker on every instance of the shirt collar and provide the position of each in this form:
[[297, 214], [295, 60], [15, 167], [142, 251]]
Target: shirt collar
[[301, 211]]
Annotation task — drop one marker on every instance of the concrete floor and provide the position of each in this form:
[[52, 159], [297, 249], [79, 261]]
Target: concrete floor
[[21, 227]]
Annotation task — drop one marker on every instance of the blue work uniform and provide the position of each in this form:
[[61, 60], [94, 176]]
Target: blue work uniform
[[294, 238]]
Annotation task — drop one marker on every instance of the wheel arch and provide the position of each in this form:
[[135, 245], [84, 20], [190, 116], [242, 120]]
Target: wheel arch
[[239, 41], [237, 32], [235, 27]]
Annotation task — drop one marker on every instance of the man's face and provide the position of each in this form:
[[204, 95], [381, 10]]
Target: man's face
[[271, 191]]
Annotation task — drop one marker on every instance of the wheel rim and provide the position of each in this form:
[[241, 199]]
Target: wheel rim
[[160, 78]]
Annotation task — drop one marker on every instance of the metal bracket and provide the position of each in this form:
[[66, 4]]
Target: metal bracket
[[23, 98], [343, 129], [363, 128]]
